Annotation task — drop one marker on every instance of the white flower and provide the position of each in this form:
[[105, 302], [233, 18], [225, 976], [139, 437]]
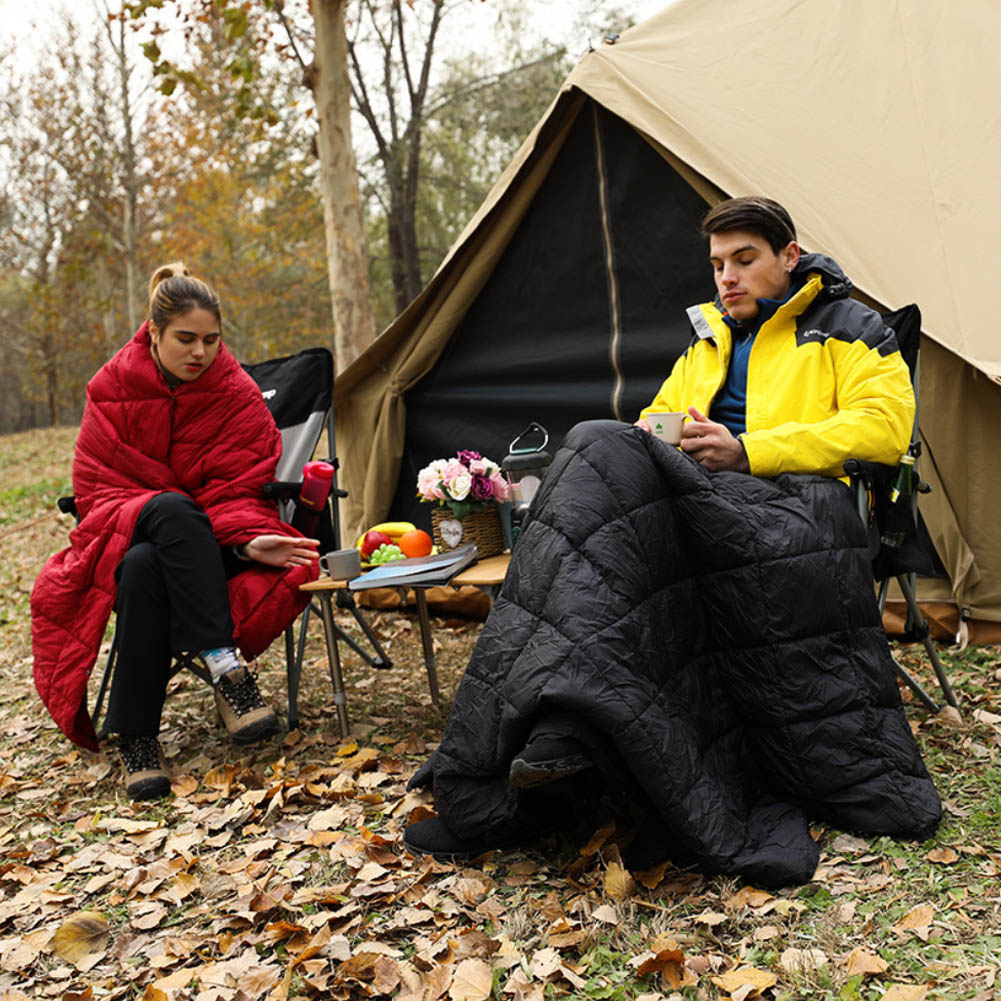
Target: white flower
[[458, 486]]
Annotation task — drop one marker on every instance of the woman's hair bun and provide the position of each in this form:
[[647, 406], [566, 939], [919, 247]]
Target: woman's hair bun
[[167, 271]]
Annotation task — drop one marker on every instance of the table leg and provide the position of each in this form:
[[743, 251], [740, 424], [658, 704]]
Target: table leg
[[334, 660], [427, 643]]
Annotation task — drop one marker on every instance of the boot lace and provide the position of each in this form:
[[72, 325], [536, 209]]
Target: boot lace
[[139, 753], [242, 695]]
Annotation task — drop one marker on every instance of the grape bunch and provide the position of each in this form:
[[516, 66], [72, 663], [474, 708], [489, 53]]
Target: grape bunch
[[385, 554]]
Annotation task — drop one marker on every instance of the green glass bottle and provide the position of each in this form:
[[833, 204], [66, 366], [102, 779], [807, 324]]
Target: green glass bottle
[[900, 517]]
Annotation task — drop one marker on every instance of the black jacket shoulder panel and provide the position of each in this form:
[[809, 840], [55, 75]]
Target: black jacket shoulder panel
[[845, 320]]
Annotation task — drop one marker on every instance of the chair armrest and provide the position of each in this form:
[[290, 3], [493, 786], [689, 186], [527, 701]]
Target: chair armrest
[[68, 506], [289, 490], [282, 489], [868, 472]]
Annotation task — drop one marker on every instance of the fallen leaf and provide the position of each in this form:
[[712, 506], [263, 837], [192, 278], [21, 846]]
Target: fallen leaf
[[917, 917], [766, 932], [618, 883], [472, 981], [849, 843], [606, 914], [747, 896], [745, 976], [802, 960], [652, 878], [946, 856], [710, 918], [983, 716], [597, 839], [545, 963], [862, 961], [81, 939], [949, 717], [183, 786], [387, 975], [905, 992]]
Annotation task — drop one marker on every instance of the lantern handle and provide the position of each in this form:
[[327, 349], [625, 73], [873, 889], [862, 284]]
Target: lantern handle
[[531, 427]]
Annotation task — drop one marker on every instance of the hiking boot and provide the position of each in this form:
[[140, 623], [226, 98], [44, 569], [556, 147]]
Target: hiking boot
[[545, 759], [245, 714], [432, 837], [145, 773]]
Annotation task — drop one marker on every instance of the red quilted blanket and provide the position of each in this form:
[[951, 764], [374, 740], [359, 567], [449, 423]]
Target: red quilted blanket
[[212, 439]]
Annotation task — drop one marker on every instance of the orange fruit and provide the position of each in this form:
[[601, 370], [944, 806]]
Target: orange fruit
[[415, 543]]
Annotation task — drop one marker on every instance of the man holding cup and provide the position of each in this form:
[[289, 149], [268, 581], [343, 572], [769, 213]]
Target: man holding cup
[[785, 373]]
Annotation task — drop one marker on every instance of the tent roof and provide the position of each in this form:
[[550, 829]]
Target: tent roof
[[871, 123], [762, 97]]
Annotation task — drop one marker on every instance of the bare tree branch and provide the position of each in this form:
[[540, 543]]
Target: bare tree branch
[[280, 10]]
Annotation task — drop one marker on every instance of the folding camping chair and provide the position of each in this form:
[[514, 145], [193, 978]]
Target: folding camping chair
[[871, 484], [298, 391]]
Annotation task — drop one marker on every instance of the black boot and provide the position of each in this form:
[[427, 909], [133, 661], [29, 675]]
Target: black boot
[[553, 751], [145, 774]]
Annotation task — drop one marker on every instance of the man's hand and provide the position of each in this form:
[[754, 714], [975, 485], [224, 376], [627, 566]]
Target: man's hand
[[282, 550], [644, 425], [712, 445]]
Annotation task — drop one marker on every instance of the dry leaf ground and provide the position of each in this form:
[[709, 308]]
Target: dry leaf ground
[[277, 872]]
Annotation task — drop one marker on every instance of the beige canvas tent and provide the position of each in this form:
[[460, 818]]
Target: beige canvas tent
[[870, 122]]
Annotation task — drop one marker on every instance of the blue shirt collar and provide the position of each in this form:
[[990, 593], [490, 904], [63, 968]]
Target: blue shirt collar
[[766, 309]]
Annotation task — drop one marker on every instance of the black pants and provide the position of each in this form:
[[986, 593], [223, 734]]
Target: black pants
[[172, 599]]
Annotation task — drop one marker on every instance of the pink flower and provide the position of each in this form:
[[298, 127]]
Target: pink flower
[[451, 469], [428, 483], [480, 467], [482, 488], [501, 489]]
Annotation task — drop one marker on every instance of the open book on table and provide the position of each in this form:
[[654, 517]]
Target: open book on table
[[420, 571]]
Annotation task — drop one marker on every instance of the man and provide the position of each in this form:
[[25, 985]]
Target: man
[[785, 374], [795, 377]]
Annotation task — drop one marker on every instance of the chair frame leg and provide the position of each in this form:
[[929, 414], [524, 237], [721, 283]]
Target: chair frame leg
[[918, 625], [293, 673], [906, 585], [334, 660], [109, 670], [380, 660]]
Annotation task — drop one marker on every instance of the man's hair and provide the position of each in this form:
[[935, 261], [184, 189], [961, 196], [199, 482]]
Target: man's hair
[[762, 216]]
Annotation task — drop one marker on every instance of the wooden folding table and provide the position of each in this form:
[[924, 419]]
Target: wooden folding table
[[487, 573]]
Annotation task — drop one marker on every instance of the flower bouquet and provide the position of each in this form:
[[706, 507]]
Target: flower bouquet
[[466, 490]]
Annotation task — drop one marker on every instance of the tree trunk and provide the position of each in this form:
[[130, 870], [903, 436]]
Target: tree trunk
[[347, 260]]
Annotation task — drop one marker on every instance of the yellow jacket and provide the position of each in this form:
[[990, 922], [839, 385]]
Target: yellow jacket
[[825, 379]]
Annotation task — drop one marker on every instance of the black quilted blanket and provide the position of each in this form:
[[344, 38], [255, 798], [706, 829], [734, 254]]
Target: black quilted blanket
[[719, 633]]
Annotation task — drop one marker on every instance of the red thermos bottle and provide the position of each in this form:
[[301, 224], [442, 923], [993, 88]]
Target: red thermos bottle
[[316, 480]]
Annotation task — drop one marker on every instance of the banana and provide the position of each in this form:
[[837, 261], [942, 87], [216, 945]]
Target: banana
[[394, 529]]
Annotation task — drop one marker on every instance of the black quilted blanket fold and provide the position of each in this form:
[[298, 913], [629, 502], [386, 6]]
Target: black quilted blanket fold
[[720, 632]]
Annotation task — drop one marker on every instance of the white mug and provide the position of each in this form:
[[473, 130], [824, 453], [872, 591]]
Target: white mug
[[342, 564], [667, 426]]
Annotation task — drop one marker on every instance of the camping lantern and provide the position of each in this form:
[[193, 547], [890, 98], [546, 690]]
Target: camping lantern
[[524, 467]]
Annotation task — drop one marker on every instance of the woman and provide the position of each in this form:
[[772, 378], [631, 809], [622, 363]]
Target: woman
[[175, 535]]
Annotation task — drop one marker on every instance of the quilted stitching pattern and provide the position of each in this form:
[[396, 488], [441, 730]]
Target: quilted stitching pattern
[[721, 630], [212, 439]]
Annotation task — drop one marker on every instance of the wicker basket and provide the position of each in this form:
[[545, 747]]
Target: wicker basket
[[480, 527]]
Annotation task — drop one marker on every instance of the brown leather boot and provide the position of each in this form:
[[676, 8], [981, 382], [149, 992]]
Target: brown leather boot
[[145, 772], [245, 714]]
